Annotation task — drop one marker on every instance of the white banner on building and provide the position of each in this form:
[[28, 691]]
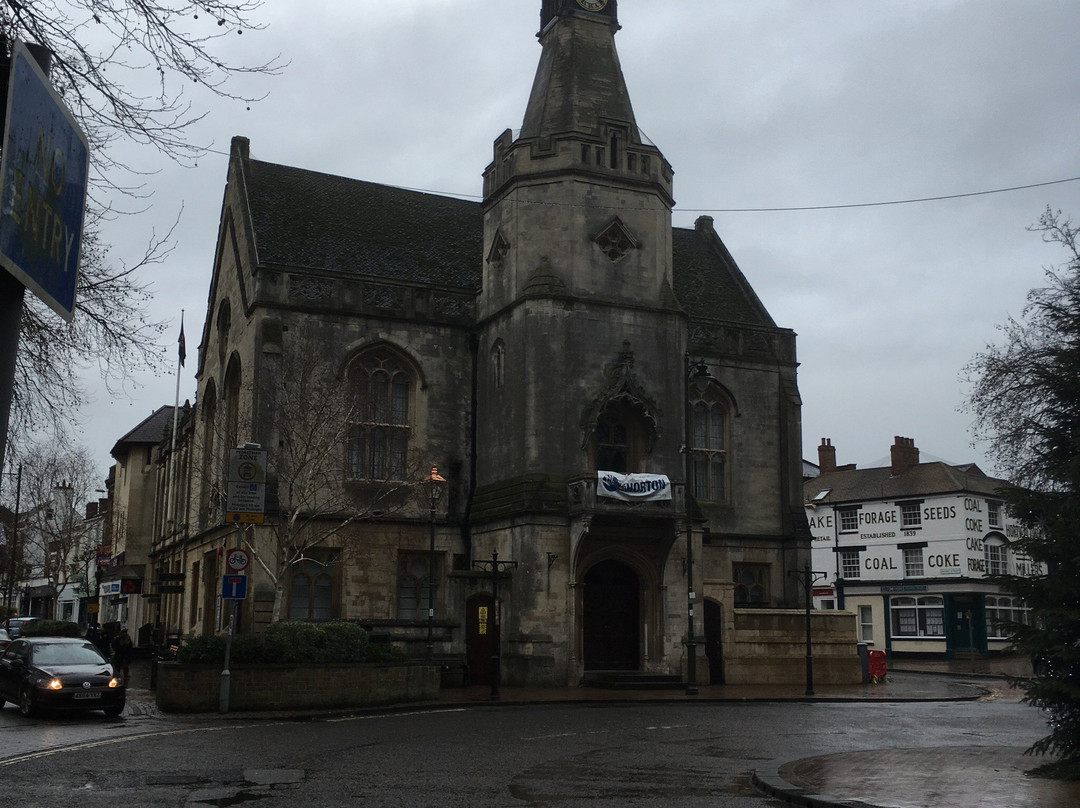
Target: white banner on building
[[632, 487]]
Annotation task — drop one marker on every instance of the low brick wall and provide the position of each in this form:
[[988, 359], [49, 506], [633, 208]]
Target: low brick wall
[[769, 647], [183, 688]]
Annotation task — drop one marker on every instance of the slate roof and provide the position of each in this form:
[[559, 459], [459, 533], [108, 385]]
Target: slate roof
[[922, 479], [708, 282], [151, 430], [310, 220], [306, 219]]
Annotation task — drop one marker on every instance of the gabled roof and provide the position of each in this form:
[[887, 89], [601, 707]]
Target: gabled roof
[[708, 282], [151, 430], [308, 220], [920, 480], [324, 223]]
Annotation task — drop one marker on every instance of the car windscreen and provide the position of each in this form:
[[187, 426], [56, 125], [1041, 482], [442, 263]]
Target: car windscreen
[[67, 654]]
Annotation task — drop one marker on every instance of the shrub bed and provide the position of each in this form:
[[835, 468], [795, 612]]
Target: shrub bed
[[51, 628], [292, 641]]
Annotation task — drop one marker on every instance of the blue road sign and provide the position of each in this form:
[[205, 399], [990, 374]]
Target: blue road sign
[[233, 587], [43, 176]]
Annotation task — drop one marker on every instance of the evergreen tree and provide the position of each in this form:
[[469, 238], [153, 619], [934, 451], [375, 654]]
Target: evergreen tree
[[1026, 402]]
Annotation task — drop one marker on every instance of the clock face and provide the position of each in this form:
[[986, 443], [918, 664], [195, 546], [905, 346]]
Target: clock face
[[592, 5]]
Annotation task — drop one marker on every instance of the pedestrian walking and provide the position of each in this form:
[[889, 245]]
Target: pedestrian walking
[[123, 650]]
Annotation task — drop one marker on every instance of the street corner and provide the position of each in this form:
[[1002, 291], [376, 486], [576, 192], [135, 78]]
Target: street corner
[[769, 779], [972, 776]]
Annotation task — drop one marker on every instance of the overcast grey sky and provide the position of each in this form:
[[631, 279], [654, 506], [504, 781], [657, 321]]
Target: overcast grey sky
[[756, 104]]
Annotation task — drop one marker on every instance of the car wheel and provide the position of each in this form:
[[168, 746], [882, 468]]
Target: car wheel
[[26, 702], [114, 710]]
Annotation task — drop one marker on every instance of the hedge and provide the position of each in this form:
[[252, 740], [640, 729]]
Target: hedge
[[51, 628], [292, 641]]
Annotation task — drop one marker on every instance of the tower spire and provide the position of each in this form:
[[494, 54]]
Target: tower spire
[[579, 78]]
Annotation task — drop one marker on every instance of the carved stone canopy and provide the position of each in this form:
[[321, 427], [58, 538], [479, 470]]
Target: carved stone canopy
[[621, 385]]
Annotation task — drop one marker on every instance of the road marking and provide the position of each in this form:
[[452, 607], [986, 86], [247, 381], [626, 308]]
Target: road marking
[[43, 753], [393, 715], [54, 750]]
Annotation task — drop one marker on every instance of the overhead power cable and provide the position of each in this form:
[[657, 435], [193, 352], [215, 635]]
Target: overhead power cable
[[776, 209], [792, 208], [879, 204]]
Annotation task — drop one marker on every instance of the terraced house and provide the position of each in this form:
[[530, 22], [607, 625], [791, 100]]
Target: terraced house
[[549, 350]]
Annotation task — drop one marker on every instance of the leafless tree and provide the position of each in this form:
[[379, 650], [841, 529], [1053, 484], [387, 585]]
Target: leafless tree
[[104, 51], [103, 54], [111, 329], [314, 500], [57, 484]]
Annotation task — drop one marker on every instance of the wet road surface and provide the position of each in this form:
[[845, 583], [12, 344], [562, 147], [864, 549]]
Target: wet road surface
[[671, 754]]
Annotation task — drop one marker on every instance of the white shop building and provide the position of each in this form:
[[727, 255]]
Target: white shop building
[[909, 549]]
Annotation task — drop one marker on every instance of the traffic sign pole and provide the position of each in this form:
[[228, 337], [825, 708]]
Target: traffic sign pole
[[226, 676]]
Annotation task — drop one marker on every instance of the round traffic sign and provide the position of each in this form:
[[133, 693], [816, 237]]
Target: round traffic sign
[[237, 559]]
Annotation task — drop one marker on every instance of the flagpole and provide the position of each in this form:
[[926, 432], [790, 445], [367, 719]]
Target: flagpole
[[176, 417]]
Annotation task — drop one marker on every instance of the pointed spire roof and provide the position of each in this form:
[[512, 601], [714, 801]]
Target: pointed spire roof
[[579, 82]]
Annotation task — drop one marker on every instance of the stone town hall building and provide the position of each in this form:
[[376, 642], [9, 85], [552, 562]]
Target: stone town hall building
[[522, 345]]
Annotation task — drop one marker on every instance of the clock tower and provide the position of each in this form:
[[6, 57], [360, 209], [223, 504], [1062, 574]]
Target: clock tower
[[577, 273], [553, 8]]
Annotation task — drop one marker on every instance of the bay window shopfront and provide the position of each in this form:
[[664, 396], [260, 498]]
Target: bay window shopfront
[[936, 623], [917, 616]]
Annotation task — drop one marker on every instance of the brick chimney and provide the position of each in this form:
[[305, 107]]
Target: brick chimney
[[826, 456], [904, 453]]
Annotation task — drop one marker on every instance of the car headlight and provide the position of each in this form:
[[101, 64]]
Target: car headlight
[[51, 684], [114, 682]]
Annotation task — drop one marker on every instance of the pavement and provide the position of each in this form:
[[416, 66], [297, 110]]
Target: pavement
[[970, 776]]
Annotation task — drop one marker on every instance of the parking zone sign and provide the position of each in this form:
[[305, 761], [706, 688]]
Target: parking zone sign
[[245, 501]]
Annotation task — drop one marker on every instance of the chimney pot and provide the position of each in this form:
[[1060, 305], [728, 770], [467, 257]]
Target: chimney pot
[[826, 456], [903, 453]]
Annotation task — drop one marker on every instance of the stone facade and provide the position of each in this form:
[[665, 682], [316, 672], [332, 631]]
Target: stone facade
[[197, 688], [522, 345]]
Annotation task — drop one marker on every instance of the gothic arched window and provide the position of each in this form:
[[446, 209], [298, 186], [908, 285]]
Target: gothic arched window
[[708, 429], [612, 444], [224, 323], [413, 586], [498, 363], [619, 440], [311, 590], [379, 433]]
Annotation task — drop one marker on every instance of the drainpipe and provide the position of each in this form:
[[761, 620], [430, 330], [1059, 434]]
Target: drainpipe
[[470, 495]]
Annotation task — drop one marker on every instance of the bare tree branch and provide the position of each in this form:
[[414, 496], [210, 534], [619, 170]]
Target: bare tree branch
[[125, 68]]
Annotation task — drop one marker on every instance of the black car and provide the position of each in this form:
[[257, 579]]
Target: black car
[[59, 673]]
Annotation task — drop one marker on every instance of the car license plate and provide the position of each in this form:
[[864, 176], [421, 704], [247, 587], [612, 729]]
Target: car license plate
[[86, 696]]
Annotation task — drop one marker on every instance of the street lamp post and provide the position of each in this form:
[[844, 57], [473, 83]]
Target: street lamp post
[[807, 578], [697, 372], [433, 487], [496, 568]]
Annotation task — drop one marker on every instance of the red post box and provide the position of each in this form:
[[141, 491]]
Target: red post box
[[876, 666]]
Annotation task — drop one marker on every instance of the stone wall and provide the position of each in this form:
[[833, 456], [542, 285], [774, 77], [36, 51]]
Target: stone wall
[[768, 646], [195, 688]]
